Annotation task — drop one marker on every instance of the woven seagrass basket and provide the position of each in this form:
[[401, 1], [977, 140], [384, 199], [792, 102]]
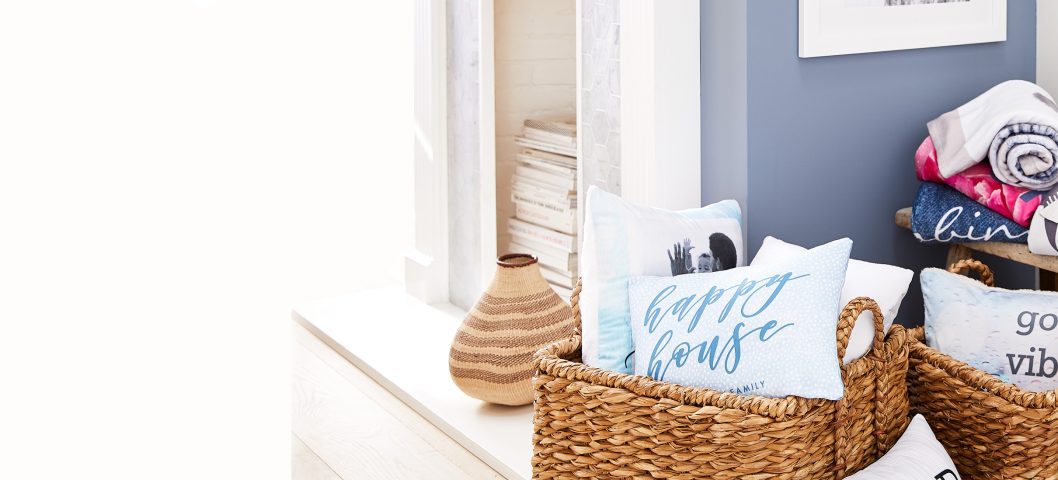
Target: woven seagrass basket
[[593, 423], [991, 429]]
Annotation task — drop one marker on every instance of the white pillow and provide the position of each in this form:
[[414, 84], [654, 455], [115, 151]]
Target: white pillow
[[885, 284], [759, 330], [917, 455], [622, 239], [1012, 334]]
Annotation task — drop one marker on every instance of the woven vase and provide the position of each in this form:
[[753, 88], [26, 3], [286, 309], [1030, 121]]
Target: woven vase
[[492, 354]]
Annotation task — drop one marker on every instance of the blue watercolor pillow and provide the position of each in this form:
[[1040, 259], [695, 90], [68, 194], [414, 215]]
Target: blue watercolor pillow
[[1012, 334], [622, 239], [760, 330]]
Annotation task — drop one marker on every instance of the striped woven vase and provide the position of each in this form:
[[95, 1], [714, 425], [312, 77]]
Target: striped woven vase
[[491, 356]]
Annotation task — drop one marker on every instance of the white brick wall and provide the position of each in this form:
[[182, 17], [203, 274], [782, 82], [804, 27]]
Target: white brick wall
[[535, 77], [600, 107]]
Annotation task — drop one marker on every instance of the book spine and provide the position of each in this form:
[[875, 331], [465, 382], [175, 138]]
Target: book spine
[[560, 207], [538, 145], [559, 268], [560, 127], [557, 278], [562, 160], [545, 165], [556, 256], [569, 268], [548, 137], [538, 189], [568, 184], [546, 218], [543, 235]]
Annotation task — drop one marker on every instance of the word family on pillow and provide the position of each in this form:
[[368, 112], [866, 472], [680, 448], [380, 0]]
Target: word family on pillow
[[1012, 334], [765, 330], [916, 456], [621, 240], [885, 284]]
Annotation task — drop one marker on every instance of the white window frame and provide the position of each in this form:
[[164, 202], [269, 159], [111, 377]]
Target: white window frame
[[426, 264], [487, 139]]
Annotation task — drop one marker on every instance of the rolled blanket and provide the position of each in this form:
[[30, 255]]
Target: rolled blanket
[[1026, 155], [1013, 124], [943, 215], [978, 183]]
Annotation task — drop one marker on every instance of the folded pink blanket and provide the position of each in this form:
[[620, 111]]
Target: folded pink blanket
[[978, 183]]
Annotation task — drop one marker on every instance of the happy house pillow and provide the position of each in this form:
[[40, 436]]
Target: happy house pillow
[[622, 239], [760, 330], [885, 284], [1012, 334]]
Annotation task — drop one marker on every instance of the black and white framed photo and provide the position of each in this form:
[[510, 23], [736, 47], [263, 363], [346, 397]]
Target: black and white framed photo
[[840, 27]]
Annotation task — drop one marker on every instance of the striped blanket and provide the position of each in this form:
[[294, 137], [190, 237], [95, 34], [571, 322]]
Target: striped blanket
[[1014, 125]]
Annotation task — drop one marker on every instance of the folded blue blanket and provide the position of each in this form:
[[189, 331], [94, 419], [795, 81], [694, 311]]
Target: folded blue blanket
[[943, 215]]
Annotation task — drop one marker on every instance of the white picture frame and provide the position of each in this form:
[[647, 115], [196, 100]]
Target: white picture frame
[[842, 27]]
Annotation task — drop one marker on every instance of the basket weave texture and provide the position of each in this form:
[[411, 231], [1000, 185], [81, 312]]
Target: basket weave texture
[[593, 423], [491, 358], [991, 429]]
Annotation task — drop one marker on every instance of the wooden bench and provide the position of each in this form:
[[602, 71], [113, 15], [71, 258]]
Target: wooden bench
[[1018, 252]]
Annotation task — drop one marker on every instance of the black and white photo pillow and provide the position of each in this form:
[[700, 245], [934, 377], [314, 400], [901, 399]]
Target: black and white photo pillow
[[1043, 232], [716, 254], [622, 240]]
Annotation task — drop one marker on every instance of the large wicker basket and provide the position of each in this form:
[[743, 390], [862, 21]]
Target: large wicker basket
[[991, 429], [593, 423]]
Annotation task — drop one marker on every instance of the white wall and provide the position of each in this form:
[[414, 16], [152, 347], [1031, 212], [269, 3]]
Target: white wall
[[174, 177], [600, 104], [536, 76], [1047, 45]]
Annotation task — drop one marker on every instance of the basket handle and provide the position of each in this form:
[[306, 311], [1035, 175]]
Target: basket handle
[[847, 320], [984, 273], [574, 304]]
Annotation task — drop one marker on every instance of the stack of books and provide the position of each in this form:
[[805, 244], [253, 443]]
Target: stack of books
[[544, 192]]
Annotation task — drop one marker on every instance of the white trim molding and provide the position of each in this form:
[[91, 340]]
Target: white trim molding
[[426, 265], [487, 139], [661, 103]]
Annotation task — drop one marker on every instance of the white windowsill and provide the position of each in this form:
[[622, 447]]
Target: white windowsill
[[403, 344]]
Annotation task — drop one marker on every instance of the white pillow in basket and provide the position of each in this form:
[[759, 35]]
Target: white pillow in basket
[[765, 330], [917, 455], [622, 239], [1012, 334], [885, 284]]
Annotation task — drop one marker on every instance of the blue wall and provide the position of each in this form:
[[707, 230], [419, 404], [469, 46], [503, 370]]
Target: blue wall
[[831, 140], [724, 84]]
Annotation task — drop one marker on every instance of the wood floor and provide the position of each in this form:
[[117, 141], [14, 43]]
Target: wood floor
[[346, 426]]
